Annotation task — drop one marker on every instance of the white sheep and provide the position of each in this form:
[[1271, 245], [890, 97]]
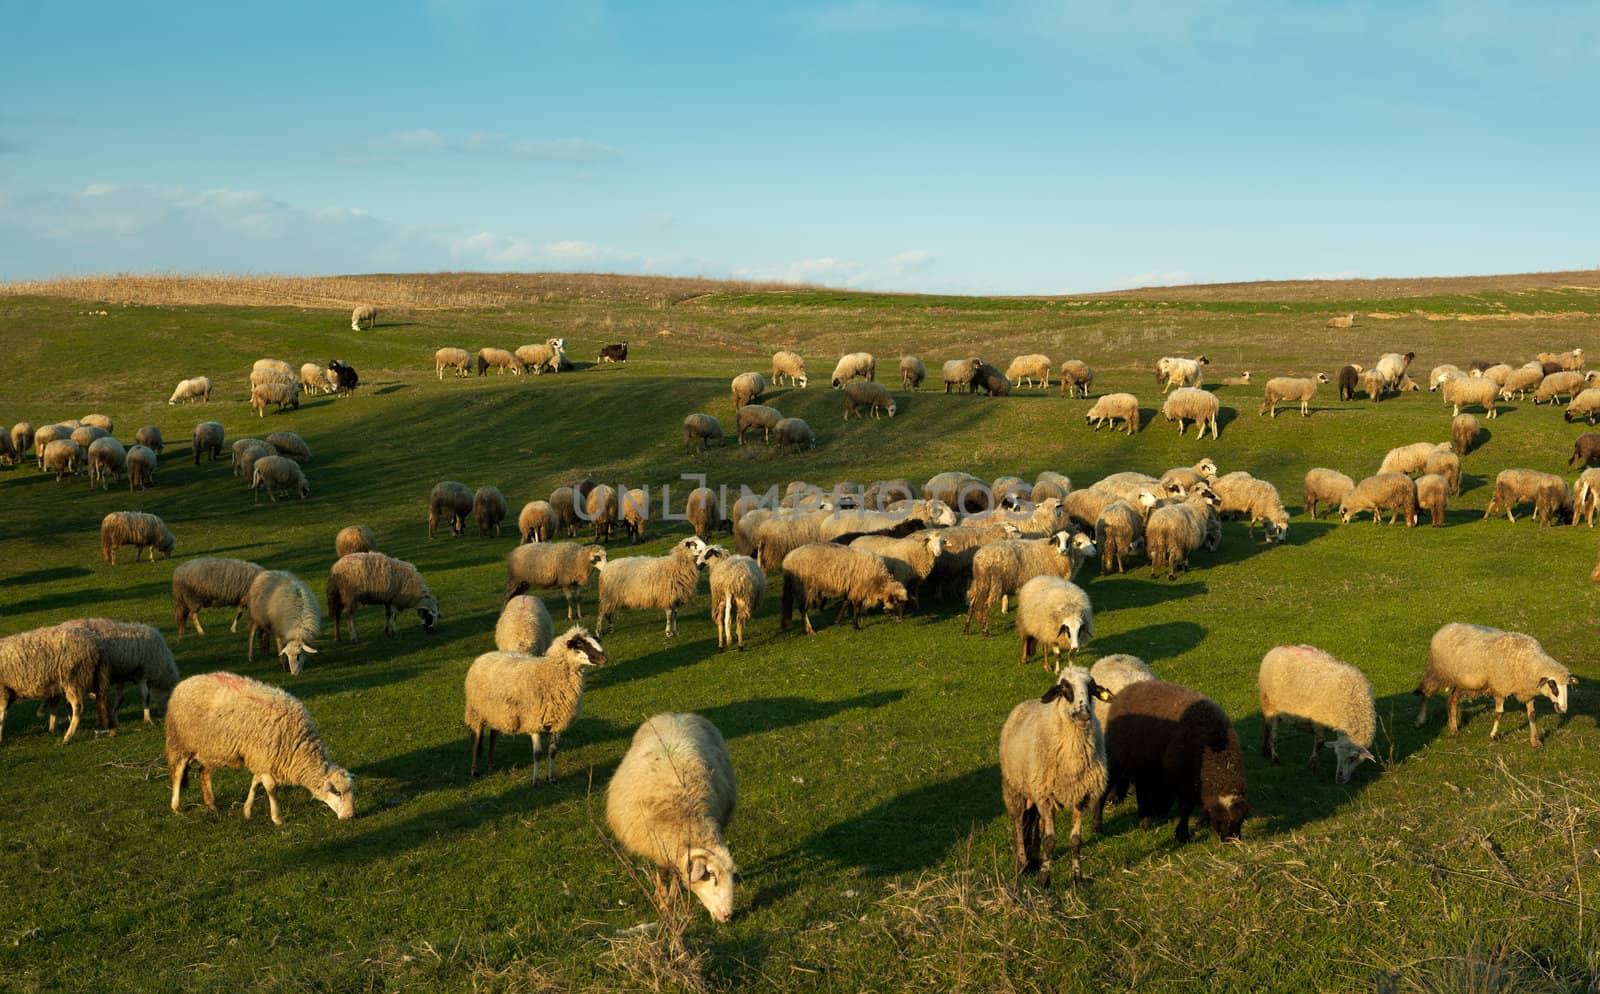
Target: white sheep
[[449, 501], [1407, 459], [107, 460], [912, 372], [1392, 492], [245, 453], [546, 565], [1030, 367], [1474, 661], [280, 605], [314, 379], [278, 473], [747, 389], [753, 416], [701, 429], [818, 571], [910, 559], [661, 582], [534, 695], [141, 467], [793, 433], [1118, 532], [1175, 529], [601, 511], [62, 456], [1053, 614], [1076, 378], [211, 582], [46, 663], [1192, 404], [1119, 669], [1174, 371], [501, 360], [143, 531], [1241, 493], [283, 394], [1470, 391], [289, 444], [374, 578], [488, 510], [450, 357], [853, 365], [1112, 407], [524, 626], [788, 364], [737, 589], [227, 720], [1586, 496], [1290, 389], [958, 374], [194, 388], [208, 439], [354, 538], [867, 394], [364, 314], [1308, 685], [132, 654], [999, 569]]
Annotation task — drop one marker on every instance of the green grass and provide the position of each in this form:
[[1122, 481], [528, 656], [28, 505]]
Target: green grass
[[870, 830]]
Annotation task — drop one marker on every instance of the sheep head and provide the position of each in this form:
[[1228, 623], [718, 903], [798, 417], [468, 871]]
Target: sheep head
[[710, 875], [1349, 756], [1227, 814], [337, 790], [585, 646], [1074, 689], [428, 611], [1556, 690]]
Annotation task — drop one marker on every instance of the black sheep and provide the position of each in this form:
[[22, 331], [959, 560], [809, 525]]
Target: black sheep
[[1349, 382], [345, 377], [1586, 450]]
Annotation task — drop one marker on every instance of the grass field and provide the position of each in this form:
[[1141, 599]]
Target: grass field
[[870, 829]]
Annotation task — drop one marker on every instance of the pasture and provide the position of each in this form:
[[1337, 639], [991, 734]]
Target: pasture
[[870, 830]]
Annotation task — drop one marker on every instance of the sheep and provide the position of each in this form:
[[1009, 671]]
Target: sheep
[[991, 381], [853, 365], [959, 490], [245, 453], [816, 572], [699, 430], [449, 357], [1192, 404], [1375, 383], [343, 377], [141, 467], [1349, 378], [1394, 365], [534, 693], [1585, 404], [1011, 491], [62, 456], [1114, 672], [132, 654], [87, 435], [1084, 507], [150, 437], [44, 436], [1308, 685], [1113, 407], [1241, 493], [282, 394], [1407, 458], [280, 605], [958, 374], [1053, 614], [1290, 388], [546, 565], [788, 364], [1030, 367], [374, 578], [207, 439], [1118, 532], [1572, 360], [536, 522], [700, 509], [1496, 371], [524, 626], [912, 372], [1186, 478], [666, 582], [564, 511], [107, 459], [1076, 377], [634, 506], [747, 389], [1176, 528], [449, 501], [1392, 492], [501, 360], [314, 379], [1520, 381], [1463, 432], [46, 663], [143, 531], [601, 511], [211, 582], [364, 314], [1327, 487], [488, 510], [747, 529], [275, 472], [1440, 372], [1444, 462], [289, 444], [1476, 661], [1341, 321], [548, 355], [1432, 491], [1171, 743], [753, 416], [194, 388], [999, 569], [737, 589], [263, 377], [1556, 385], [1242, 380], [868, 394], [227, 720], [1516, 486], [1172, 371], [21, 439], [910, 558], [793, 433], [670, 802], [1052, 758], [354, 538], [1051, 484], [8, 450]]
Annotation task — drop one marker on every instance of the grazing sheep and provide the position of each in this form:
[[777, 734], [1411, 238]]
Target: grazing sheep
[[279, 393], [1192, 404], [279, 472], [1030, 367], [1463, 432], [1053, 614], [501, 360], [1241, 493], [814, 573], [912, 372], [354, 538], [150, 437], [999, 569], [1407, 458], [280, 605], [793, 433], [564, 508], [1376, 383], [1349, 379], [227, 720], [524, 626], [536, 695], [1394, 365], [1290, 389], [784, 531], [449, 501], [601, 511], [47, 663], [314, 379], [21, 438], [245, 453], [634, 507], [737, 589], [264, 377], [991, 381], [1496, 371], [143, 531], [549, 565], [488, 510], [547, 355], [1342, 321], [374, 578], [868, 394], [536, 522], [141, 467], [62, 456], [1586, 496], [1118, 532], [1521, 381], [364, 315], [660, 582], [1444, 462], [1517, 486], [8, 450], [87, 435], [747, 528], [1170, 743], [1051, 484], [699, 430], [1432, 489], [1186, 478], [1076, 377], [1392, 492], [959, 490], [853, 365], [1084, 507], [1011, 491], [1172, 371], [1475, 661], [753, 416], [1052, 758], [1308, 685], [785, 363], [1585, 405], [1113, 407], [195, 388], [702, 513], [1114, 672], [289, 444], [1572, 360], [211, 582], [1327, 487], [958, 374], [1440, 372], [1176, 528], [131, 653], [747, 389], [1564, 383], [670, 802], [49, 433], [207, 439], [910, 558], [107, 460], [459, 360]]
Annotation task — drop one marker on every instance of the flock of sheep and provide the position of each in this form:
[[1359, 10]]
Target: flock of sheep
[[1094, 734]]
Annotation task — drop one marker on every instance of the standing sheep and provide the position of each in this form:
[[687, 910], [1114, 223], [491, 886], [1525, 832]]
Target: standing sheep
[[281, 606], [958, 374], [1241, 493], [150, 437], [227, 720], [107, 460], [1586, 496], [662, 582], [1463, 432], [314, 379], [1053, 614], [143, 531], [1076, 377], [131, 653], [785, 363], [991, 381], [912, 372], [1030, 367], [141, 467], [449, 501], [501, 360], [279, 393], [459, 360], [821, 570], [1290, 389], [289, 444], [1172, 371], [1118, 670], [634, 507], [1392, 492], [354, 538], [87, 435], [278, 472], [1432, 491], [793, 433], [364, 315], [1565, 383], [1192, 404], [21, 439], [1000, 569], [1175, 529], [1306, 684], [1118, 532], [753, 416], [547, 565], [700, 509], [601, 511], [62, 456], [910, 559], [533, 695], [488, 510], [1444, 462], [747, 389], [1113, 407], [1518, 486], [207, 439], [536, 522], [1327, 487], [196, 388], [211, 582], [374, 578], [1470, 391], [853, 365], [860, 394], [737, 589], [524, 626], [1474, 661], [699, 430], [46, 663]]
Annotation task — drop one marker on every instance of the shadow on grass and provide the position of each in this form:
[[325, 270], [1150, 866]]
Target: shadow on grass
[[79, 599], [45, 576], [388, 389], [1153, 642], [1113, 591]]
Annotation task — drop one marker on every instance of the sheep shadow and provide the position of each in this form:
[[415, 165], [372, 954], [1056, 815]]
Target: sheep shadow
[[682, 653], [1153, 642], [75, 599], [388, 389], [1112, 591], [1226, 416], [47, 575], [750, 717], [1482, 438]]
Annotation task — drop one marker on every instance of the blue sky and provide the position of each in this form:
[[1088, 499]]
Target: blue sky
[[1005, 147]]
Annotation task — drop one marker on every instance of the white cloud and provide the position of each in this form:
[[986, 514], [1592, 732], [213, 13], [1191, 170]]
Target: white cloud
[[482, 143], [1167, 277]]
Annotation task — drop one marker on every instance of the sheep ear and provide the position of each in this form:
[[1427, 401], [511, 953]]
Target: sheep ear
[[1366, 754], [1056, 690], [307, 649], [1572, 681], [697, 870], [1098, 692]]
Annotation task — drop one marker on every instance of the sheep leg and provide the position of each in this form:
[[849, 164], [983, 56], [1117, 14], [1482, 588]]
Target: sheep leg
[[493, 735], [1316, 745], [1027, 649], [178, 772], [1047, 843], [210, 798], [805, 614], [1455, 711], [855, 614], [237, 614], [672, 622], [1269, 738], [1077, 845], [271, 787], [75, 701], [1533, 729], [390, 628], [474, 741], [194, 616], [1499, 712], [550, 771]]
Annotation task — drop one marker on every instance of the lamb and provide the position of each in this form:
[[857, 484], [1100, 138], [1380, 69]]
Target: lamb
[[634, 505], [819, 571], [1001, 568], [1432, 489], [701, 429], [1177, 528], [364, 315], [449, 357], [374, 578], [62, 456], [788, 364], [1349, 378], [1241, 493], [227, 720], [665, 582], [1586, 496], [1053, 614], [747, 389], [991, 381], [1113, 407], [1407, 458], [1030, 367], [280, 605], [150, 437], [107, 459], [1173, 371], [670, 802], [910, 558], [281, 394], [1242, 380], [207, 440], [1392, 492], [1556, 385], [275, 472], [1470, 391], [1521, 380], [753, 416], [1463, 432], [912, 372], [524, 626], [195, 388], [853, 365], [354, 538], [1118, 532], [958, 374], [1309, 686], [1394, 365], [1052, 758], [289, 444], [1475, 661], [1375, 383], [343, 377], [737, 589], [1516, 486], [1341, 321], [488, 510], [793, 433], [1327, 487], [1585, 405], [701, 511], [314, 379], [211, 582], [141, 467], [1192, 404], [1444, 462], [1440, 372], [1289, 388], [1077, 377], [143, 531], [532, 694], [601, 510], [449, 501], [501, 360], [132, 654], [868, 394], [46, 663], [547, 565], [1170, 744], [1114, 672], [245, 453]]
